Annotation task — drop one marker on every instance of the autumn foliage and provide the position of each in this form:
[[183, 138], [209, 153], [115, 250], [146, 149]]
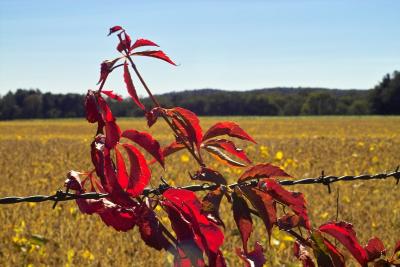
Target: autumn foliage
[[196, 231]]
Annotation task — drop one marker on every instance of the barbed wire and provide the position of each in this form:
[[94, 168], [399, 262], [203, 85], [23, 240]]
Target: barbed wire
[[324, 180]]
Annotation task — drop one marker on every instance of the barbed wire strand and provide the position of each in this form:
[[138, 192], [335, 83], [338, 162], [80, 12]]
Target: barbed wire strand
[[324, 180]]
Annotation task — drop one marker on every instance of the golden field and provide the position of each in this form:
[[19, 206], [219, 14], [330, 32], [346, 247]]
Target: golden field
[[35, 156]]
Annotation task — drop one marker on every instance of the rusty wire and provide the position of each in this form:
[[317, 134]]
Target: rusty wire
[[324, 180]]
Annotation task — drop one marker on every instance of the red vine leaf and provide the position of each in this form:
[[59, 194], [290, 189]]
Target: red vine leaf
[[92, 112], [139, 175], [242, 216], [295, 200], [112, 95], [156, 54], [172, 148], [113, 133], [211, 236], [209, 175], [223, 157], [262, 170], [264, 204], [114, 29], [104, 109], [146, 141], [122, 219], [345, 234], [130, 87], [254, 258], [288, 221], [229, 128], [326, 253], [229, 147], [210, 205], [190, 123], [303, 255], [375, 249], [122, 174], [150, 229], [142, 42]]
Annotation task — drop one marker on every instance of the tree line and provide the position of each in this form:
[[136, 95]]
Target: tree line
[[384, 98]]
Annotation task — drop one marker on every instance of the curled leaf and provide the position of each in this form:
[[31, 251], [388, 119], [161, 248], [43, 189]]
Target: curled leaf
[[207, 174], [302, 254], [263, 170], [223, 157], [146, 141], [156, 54], [229, 147], [92, 111], [210, 205], [375, 249], [254, 258], [242, 216], [346, 235], [188, 123], [139, 175], [114, 29], [113, 133], [112, 95], [295, 200], [142, 42], [130, 87], [229, 128]]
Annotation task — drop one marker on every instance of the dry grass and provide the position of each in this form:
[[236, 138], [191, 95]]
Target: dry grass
[[35, 156]]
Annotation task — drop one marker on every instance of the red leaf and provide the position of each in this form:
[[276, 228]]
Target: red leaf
[[152, 115], [110, 183], [294, 200], [242, 216], [146, 141], [337, 257], [325, 253], [375, 249], [229, 147], [172, 148], [142, 42], [264, 204], [288, 221], [92, 112], [263, 170], [122, 175], [111, 94], [105, 110], [345, 234], [207, 174], [130, 87], [105, 68], [121, 219], [219, 155], [113, 133], [115, 29], [302, 254], [157, 54], [210, 205], [189, 122], [150, 229], [253, 259], [190, 207], [189, 241], [229, 128], [139, 175]]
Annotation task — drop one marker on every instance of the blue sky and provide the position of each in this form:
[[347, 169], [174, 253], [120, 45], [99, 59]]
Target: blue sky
[[235, 45]]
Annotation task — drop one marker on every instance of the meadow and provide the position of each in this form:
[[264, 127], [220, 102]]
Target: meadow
[[35, 156]]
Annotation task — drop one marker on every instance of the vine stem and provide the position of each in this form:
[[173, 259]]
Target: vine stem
[[157, 104]]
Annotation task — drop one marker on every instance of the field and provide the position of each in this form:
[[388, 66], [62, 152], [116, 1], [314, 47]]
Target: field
[[36, 155]]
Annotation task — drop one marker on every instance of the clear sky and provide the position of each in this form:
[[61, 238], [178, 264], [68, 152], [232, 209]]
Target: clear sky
[[58, 45]]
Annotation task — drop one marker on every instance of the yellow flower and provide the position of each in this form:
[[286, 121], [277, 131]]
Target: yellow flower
[[279, 155], [185, 158]]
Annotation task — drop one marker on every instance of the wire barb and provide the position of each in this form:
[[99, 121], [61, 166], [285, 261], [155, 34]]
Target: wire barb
[[324, 180]]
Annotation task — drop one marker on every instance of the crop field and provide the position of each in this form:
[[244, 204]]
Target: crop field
[[35, 156]]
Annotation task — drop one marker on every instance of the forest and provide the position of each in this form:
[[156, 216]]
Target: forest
[[383, 99]]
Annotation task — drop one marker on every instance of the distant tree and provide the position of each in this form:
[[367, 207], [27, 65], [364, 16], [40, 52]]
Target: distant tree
[[319, 104], [385, 97]]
